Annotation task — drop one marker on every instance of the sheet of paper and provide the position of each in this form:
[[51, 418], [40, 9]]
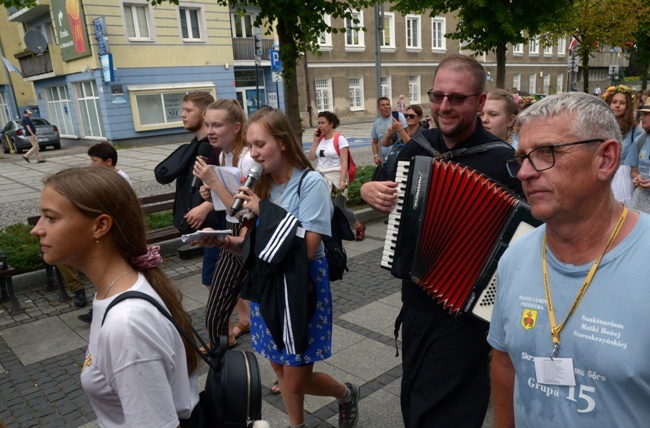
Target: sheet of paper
[[230, 177]]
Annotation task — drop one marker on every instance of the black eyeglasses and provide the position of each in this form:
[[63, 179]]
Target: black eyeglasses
[[410, 116], [454, 99], [541, 158]]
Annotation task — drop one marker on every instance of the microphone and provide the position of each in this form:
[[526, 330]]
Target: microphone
[[253, 175], [204, 152]]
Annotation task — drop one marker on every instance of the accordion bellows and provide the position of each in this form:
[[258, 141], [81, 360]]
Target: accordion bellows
[[450, 227]]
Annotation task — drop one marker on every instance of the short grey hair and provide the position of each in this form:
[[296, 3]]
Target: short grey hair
[[593, 117]]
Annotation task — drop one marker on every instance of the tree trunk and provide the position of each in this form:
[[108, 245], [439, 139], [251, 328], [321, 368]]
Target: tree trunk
[[501, 66], [585, 72], [289, 56], [644, 77]]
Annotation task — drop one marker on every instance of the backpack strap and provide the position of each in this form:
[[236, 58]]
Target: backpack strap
[[223, 345], [302, 177]]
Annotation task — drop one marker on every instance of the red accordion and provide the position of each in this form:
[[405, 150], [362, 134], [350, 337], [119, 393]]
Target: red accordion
[[447, 232]]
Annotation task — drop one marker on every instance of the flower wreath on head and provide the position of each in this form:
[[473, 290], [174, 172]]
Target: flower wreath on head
[[619, 89], [525, 101]]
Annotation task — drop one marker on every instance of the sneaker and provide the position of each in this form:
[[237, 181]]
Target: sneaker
[[41, 161], [349, 412], [80, 298], [87, 318], [360, 233], [26, 159]]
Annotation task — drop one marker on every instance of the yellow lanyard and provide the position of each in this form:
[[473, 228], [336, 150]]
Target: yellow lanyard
[[556, 329]]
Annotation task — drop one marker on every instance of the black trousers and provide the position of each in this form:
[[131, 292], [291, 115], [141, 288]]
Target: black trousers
[[445, 363]]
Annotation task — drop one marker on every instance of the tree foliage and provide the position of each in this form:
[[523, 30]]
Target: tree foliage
[[599, 23], [489, 25]]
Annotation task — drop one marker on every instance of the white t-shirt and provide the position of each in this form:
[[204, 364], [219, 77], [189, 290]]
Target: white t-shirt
[[135, 372], [326, 153], [126, 177], [244, 163]]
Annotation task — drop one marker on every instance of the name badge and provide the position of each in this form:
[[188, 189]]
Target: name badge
[[556, 371]]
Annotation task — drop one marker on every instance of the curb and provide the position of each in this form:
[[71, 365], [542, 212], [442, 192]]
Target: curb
[[31, 280]]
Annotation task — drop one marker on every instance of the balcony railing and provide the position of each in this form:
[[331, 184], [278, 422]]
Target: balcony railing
[[244, 48], [33, 65]]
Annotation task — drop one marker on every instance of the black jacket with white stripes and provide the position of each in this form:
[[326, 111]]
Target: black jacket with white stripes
[[275, 255]]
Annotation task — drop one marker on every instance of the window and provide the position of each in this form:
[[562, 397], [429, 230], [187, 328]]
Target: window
[[414, 90], [160, 106], [560, 83], [438, 31], [547, 84], [58, 107], [413, 35], [533, 46], [388, 40], [561, 47], [191, 24], [4, 109], [324, 97], [92, 124], [532, 83], [518, 49], [356, 93], [548, 50], [241, 26], [137, 18], [354, 30], [516, 81], [386, 87], [325, 38]]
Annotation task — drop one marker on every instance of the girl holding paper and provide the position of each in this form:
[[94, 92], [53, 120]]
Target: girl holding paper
[[225, 124]]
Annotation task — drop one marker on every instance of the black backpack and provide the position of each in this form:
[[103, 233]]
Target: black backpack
[[233, 389], [337, 258]]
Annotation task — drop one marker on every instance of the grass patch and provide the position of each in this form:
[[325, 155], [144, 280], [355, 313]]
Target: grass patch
[[159, 220]]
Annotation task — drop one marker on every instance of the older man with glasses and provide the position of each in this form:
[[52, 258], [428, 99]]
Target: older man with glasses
[[445, 378], [569, 324]]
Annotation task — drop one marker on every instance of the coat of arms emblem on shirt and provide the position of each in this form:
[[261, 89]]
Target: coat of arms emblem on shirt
[[529, 318]]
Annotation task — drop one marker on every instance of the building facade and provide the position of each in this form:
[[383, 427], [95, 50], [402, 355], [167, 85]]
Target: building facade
[[118, 70]]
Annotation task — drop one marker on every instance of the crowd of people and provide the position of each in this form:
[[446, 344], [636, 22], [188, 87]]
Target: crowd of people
[[581, 162]]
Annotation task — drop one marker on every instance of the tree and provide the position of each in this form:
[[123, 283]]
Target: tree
[[489, 25], [640, 51], [298, 24], [597, 23]]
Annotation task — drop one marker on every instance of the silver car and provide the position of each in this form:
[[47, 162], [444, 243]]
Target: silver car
[[47, 134]]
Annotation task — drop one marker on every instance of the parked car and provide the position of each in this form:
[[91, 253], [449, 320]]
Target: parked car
[[47, 134]]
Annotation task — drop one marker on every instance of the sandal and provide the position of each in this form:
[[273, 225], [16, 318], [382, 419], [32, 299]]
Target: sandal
[[243, 329], [275, 388]]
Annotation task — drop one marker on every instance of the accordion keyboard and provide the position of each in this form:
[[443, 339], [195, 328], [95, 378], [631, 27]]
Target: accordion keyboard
[[394, 217]]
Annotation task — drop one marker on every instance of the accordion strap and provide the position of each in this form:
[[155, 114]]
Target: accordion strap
[[424, 143]]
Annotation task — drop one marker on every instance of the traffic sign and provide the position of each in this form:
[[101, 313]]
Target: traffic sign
[[277, 77], [276, 64]]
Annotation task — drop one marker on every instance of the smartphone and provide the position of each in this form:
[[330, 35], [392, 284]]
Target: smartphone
[[396, 115], [318, 132]]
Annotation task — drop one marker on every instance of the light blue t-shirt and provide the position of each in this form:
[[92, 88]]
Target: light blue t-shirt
[[628, 141], [380, 127], [606, 336], [313, 209]]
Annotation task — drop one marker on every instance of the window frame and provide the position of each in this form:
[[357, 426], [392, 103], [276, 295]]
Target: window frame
[[82, 97], [390, 47], [198, 8], [177, 88], [149, 20], [409, 38], [359, 88], [516, 81], [325, 39], [443, 31], [56, 109], [533, 47], [561, 46], [323, 88], [559, 83], [386, 86], [357, 30], [532, 83], [415, 89]]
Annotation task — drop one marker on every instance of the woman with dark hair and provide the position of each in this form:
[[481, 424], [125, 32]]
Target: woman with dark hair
[[413, 117], [621, 101], [293, 205], [138, 371], [333, 165]]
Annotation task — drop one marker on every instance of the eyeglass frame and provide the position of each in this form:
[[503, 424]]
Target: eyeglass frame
[[519, 159], [454, 99]]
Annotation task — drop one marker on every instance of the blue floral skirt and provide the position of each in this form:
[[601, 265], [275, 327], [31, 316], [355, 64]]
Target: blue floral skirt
[[319, 329]]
